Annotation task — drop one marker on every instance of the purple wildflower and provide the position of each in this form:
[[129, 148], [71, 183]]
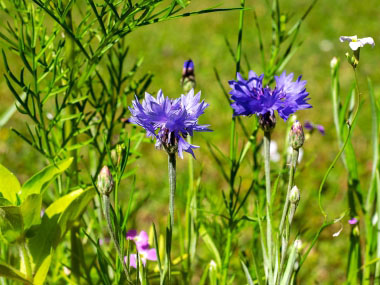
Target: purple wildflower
[[251, 97], [143, 248], [141, 240], [353, 221], [144, 255], [170, 121], [311, 127]]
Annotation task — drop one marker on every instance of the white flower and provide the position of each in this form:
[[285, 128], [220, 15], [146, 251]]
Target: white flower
[[356, 43]]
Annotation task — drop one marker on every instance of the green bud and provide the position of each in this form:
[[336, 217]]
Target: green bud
[[296, 136], [354, 59], [356, 231], [119, 151], [105, 181], [294, 196]]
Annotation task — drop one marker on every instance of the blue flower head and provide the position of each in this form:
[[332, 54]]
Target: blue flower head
[[251, 97], [170, 121]]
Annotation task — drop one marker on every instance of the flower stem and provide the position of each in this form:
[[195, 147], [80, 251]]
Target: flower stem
[[285, 237], [227, 256], [292, 170], [268, 202], [172, 188], [106, 212]]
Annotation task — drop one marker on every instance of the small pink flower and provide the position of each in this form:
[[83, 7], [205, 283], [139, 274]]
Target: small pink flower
[[142, 245], [141, 240], [353, 221]]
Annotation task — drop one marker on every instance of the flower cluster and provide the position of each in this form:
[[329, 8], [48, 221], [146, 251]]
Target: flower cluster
[[170, 121], [251, 97], [142, 245]]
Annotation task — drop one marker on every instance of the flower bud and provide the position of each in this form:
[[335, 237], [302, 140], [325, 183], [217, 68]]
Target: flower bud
[[294, 196], [188, 76], [267, 122], [119, 151], [334, 62], [296, 136], [353, 60], [105, 181]]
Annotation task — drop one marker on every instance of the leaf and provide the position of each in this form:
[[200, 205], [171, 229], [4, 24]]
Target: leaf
[[40, 276], [4, 118], [56, 221], [246, 272], [11, 222], [39, 181], [182, 3], [75, 209], [210, 244], [9, 185], [12, 273], [4, 202], [31, 210]]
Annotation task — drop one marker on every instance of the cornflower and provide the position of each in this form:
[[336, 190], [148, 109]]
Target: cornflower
[[170, 121]]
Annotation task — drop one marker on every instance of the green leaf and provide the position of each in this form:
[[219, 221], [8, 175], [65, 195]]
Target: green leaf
[[4, 118], [9, 185], [31, 210], [12, 273], [182, 3], [246, 272], [38, 182], [4, 202], [40, 276], [11, 222], [210, 244], [57, 220], [74, 211]]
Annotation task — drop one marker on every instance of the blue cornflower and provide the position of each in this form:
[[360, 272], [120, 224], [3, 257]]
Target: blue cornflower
[[251, 97], [170, 121]]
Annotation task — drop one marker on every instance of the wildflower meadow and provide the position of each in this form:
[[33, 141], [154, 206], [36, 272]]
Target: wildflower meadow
[[189, 142]]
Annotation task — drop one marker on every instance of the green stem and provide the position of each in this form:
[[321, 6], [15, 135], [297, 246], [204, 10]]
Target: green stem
[[106, 212], [26, 260], [268, 203], [227, 255], [292, 170], [172, 188], [285, 238], [189, 215]]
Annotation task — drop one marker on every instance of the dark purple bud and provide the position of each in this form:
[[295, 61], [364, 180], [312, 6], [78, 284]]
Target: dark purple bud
[[321, 129], [105, 181], [188, 76], [308, 126], [296, 137], [267, 122]]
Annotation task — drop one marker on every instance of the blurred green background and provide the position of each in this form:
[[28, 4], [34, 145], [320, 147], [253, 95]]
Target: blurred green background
[[166, 46]]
